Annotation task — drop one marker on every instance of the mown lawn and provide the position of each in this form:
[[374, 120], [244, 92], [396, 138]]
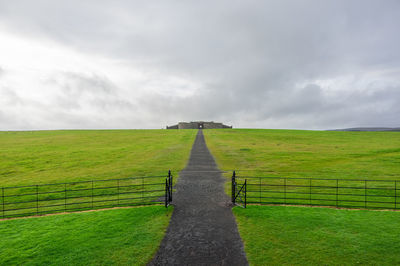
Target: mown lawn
[[129, 236], [38, 157], [299, 153], [278, 235]]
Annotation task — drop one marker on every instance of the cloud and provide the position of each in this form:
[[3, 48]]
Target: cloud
[[289, 64]]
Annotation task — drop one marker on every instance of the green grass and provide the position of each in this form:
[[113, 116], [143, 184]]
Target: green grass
[[38, 157], [297, 153], [276, 235], [315, 155], [111, 237]]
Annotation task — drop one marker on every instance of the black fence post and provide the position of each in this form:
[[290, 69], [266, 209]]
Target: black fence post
[[37, 200], [65, 197], [337, 193], [117, 192], [284, 190], [365, 193], [170, 185], [395, 195], [2, 196], [310, 192], [166, 192], [92, 194], [142, 189], [245, 192], [233, 186], [260, 189]]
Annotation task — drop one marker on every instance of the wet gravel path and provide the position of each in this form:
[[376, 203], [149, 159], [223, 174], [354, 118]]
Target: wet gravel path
[[202, 230]]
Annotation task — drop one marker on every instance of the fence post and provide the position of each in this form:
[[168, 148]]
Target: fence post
[[337, 192], [37, 200], [170, 185], [92, 194], [65, 197], [2, 196], [166, 191], [142, 189], [233, 186], [310, 192], [365, 193], [395, 195], [260, 189], [117, 192], [284, 190], [245, 192]]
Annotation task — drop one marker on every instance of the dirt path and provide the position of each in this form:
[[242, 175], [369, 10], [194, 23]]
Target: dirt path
[[202, 230]]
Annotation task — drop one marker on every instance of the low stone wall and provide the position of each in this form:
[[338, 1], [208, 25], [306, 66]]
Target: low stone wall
[[172, 127], [183, 125]]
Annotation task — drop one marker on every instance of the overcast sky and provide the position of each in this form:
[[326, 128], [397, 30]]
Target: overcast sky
[[148, 64]]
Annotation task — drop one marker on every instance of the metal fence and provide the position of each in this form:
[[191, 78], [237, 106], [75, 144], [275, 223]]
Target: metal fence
[[85, 195], [346, 193]]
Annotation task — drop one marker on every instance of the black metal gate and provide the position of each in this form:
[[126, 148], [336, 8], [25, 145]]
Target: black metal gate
[[168, 189], [239, 192]]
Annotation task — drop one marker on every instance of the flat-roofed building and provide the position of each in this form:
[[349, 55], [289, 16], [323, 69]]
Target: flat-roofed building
[[198, 125]]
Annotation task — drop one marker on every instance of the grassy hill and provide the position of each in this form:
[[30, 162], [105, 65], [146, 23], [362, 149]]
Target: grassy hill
[[297, 153], [38, 157], [272, 234], [278, 235], [122, 236]]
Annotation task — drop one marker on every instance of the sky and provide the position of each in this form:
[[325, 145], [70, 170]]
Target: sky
[[297, 64]]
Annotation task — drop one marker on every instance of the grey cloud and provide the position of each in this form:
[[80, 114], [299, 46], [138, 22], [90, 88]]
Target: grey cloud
[[9, 97], [248, 56], [76, 84], [76, 89]]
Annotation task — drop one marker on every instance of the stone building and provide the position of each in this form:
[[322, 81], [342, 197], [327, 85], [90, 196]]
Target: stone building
[[198, 125]]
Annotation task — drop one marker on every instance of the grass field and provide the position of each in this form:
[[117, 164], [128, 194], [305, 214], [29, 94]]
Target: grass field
[[297, 153], [276, 235], [272, 234], [127, 236], [38, 157]]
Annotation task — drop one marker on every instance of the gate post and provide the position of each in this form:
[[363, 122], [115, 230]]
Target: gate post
[[170, 185], [166, 193], [245, 193], [233, 186]]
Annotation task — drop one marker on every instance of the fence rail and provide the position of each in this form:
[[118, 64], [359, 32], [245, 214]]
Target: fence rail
[[347, 193], [19, 201]]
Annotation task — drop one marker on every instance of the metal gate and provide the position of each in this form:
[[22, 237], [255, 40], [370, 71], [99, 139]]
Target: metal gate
[[168, 189], [239, 192]]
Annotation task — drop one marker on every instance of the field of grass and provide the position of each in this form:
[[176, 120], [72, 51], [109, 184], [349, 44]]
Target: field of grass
[[129, 236], [295, 165], [38, 157], [55, 157], [312, 167], [276, 235], [297, 153]]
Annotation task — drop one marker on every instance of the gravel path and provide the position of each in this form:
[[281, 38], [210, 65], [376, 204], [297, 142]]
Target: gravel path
[[202, 230]]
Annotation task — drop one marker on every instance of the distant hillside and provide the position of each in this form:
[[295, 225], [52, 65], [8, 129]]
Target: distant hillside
[[368, 129]]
